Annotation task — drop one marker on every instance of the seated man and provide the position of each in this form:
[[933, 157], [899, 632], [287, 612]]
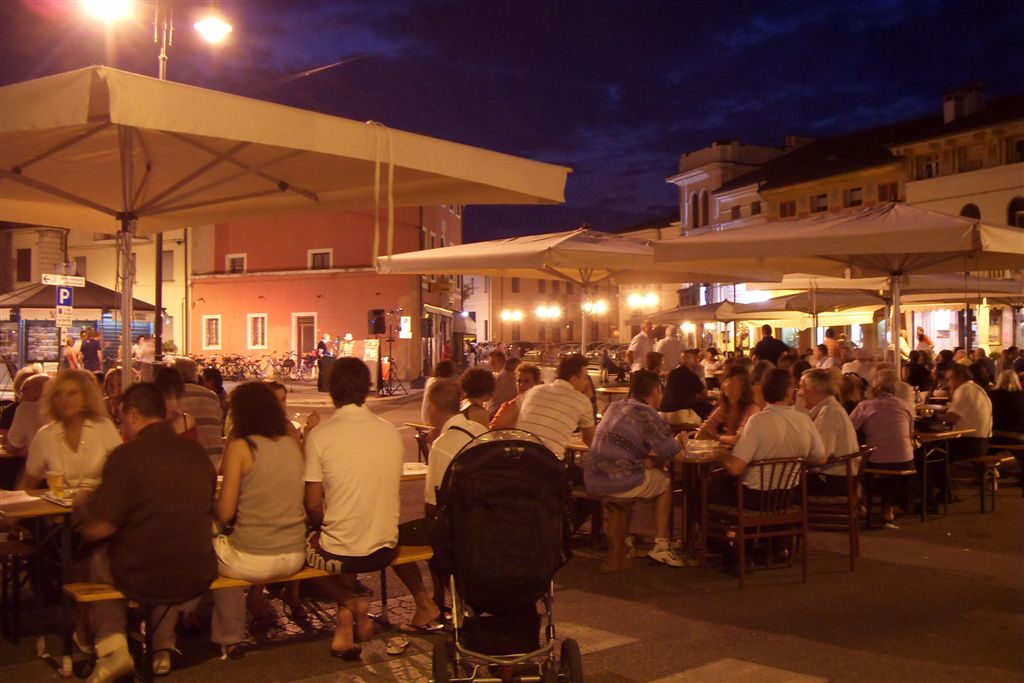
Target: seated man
[[29, 417], [204, 407], [684, 401], [527, 377], [353, 473], [819, 390], [454, 431], [155, 508], [777, 432], [969, 408], [630, 434], [554, 411]]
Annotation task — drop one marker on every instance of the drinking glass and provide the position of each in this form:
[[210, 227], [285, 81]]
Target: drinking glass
[[55, 481]]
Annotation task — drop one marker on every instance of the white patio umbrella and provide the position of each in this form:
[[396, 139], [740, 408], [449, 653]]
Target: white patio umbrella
[[891, 240], [109, 151], [582, 256]]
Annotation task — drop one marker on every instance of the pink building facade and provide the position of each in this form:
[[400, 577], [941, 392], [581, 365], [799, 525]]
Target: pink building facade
[[277, 285]]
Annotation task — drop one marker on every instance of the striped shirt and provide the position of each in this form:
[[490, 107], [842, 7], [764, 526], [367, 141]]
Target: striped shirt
[[204, 407], [553, 412]]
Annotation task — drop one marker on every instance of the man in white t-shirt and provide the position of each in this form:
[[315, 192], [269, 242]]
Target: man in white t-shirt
[[671, 348], [969, 408], [819, 389], [777, 432], [640, 346], [554, 411], [29, 416], [353, 473]]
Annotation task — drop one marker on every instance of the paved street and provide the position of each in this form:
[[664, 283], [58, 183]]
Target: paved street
[[940, 601]]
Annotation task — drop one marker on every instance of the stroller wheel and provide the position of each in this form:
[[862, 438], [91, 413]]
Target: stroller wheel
[[571, 663], [440, 666]]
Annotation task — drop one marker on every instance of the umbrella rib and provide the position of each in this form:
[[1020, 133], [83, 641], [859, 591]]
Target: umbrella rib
[[210, 202], [155, 200], [56, 192], [281, 184], [71, 142]]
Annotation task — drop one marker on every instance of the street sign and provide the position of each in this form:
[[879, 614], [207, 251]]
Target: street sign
[[66, 280], [65, 296]]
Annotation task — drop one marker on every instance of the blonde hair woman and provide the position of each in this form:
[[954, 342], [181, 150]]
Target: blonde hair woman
[[79, 435]]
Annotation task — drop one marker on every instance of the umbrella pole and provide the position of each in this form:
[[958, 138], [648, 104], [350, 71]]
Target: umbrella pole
[[583, 322], [127, 220], [894, 288]]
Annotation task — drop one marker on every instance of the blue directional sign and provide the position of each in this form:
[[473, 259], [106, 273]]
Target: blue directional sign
[[65, 296]]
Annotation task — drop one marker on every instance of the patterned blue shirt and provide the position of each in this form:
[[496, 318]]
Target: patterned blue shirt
[[628, 433]]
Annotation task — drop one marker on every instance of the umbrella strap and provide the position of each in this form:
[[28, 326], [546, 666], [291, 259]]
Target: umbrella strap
[[390, 188]]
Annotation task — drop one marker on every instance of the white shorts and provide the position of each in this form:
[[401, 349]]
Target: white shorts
[[250, 567], [655, 483]]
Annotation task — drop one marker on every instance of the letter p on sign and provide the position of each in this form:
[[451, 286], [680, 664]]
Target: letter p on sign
[[65, 296]]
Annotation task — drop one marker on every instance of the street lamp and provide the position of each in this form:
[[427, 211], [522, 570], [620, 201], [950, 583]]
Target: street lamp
[[646, 301], [214, 30]]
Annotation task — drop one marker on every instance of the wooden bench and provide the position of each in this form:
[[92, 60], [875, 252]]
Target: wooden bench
[[98, 592]]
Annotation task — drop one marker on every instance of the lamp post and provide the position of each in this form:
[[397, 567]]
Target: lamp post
[[214, 30]]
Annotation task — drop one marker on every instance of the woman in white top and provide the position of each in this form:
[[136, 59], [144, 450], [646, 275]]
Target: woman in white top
[[79, 436]]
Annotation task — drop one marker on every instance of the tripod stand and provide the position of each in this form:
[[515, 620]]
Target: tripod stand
[[388, 383]]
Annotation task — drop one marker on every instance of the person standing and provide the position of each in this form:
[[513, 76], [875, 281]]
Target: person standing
[[640, 346], [671, 348], [504, 381], [154, 508], [769, 348], [91, 352]]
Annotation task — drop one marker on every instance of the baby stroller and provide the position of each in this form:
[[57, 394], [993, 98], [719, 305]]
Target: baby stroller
[[500, 534]]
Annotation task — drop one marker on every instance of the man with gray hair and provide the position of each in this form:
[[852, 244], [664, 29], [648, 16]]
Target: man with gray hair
[[671, 348], [204, 407], [819, 389]]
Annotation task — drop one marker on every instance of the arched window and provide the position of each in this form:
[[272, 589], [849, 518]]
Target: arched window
[[1015, 212], [694, 211], [705, 212], [971, 211]]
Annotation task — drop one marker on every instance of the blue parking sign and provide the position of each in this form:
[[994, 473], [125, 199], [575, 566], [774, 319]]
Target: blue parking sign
[[65, 296]]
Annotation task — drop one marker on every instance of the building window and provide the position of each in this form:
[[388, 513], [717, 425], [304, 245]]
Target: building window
[[1015, 212], [568, 288], [694, 211], [1015, 151], [24, 265], [542, 286], [926, 166], [705, 213], [853, 197], [320, 259], [515, 285], [556, 286], [257, 330], [888, 192], [970, 158], [819, 203], [734, 212], [168, 265], [515, 331], [971, 211], [755, 208], [235, 263], [787, 209], [80, 269], [211, 332]]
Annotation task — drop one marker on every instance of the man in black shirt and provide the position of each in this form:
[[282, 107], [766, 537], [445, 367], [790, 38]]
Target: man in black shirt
[[92, 359], [684, 389], [769, 348], [155, 509], [918, 375]]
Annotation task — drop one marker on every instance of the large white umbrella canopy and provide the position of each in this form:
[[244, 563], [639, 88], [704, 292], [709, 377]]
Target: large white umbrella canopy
[[891, 240], [104, 150], [582, 256], [909, 284]]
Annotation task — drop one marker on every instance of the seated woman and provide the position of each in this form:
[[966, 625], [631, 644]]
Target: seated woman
[[261, 498], [887, 424], [172, 386], [727, 419], [1008, 412], [477, 387]]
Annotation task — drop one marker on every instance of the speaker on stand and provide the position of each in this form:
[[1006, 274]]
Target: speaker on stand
[[388, 383]]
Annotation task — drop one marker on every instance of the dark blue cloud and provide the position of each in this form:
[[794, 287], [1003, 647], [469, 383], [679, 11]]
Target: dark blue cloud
[[617, 90]]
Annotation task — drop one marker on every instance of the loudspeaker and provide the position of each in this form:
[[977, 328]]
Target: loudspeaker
[[378, 325], [427, 327]]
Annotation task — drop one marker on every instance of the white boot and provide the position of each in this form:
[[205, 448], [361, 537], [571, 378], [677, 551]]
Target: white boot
[[114, 660]]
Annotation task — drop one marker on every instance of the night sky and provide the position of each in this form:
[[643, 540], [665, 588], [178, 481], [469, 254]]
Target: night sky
[[616, 90]]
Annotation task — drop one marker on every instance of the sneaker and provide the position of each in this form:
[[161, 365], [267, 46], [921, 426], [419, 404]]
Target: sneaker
[[665, 555], [113, 666]]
